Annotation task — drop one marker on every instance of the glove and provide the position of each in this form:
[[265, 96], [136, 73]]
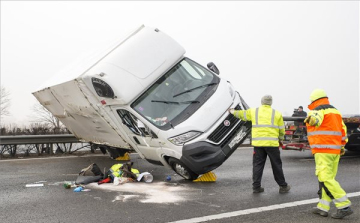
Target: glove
[[311, 120], [231, 110], [280, 144], [342, 151]]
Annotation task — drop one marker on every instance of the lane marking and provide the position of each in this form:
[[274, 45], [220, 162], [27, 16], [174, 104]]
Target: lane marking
[[255, 210]]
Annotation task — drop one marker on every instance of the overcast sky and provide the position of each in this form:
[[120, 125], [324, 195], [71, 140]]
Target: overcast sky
[[285, 49]]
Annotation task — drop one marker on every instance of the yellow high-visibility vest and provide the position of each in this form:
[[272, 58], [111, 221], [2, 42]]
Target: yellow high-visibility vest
[[267, 125]]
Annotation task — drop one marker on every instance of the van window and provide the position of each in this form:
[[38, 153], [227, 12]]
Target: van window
[[194, 72], [176, 95]]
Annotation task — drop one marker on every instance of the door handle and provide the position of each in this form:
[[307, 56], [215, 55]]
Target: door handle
[[136, 140]]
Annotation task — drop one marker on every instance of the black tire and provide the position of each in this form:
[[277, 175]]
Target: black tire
[[182, 169]]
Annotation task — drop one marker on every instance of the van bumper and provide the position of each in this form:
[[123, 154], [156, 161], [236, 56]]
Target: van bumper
[[202, 157]]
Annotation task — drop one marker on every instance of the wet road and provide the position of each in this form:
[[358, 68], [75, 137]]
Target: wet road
[[161, 201]]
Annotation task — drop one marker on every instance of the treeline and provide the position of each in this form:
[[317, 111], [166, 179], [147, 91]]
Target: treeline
[[33, 129], [38, 149]]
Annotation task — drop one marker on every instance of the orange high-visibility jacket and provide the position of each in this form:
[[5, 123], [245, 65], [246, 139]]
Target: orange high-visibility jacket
[[329, 133]]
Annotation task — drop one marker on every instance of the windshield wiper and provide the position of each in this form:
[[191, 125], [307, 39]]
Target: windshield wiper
[[201, 86], [176, 102]]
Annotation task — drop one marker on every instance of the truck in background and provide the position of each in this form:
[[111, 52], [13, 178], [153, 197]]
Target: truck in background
[[296, 135], [143, 94]]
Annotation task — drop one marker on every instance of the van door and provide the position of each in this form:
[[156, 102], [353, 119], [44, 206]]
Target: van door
[[140, 134]]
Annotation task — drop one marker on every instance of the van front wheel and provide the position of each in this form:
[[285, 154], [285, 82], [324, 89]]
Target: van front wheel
[[182, 170]]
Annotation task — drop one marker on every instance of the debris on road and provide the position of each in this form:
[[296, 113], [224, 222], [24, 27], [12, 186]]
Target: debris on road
[[34, 185], [145, 176]]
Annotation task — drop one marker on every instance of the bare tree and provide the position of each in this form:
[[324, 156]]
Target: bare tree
[[42, 115], [5, 102]]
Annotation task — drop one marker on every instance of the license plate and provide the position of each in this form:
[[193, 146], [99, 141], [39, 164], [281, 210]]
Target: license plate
[[238, 137]]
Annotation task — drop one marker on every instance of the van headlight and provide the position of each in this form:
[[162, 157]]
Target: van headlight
[[181, 139]]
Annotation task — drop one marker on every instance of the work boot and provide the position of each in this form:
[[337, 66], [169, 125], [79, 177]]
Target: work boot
[[258, 190], [284, 189], [319, 212], [340, 213]]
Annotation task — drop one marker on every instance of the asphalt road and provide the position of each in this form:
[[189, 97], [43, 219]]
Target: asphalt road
[[160, 201]]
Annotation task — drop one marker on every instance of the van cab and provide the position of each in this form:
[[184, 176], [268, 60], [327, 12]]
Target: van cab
[[144, 94]]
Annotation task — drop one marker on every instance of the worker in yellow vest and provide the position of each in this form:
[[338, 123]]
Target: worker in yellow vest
[[267, 132], [327, 138]]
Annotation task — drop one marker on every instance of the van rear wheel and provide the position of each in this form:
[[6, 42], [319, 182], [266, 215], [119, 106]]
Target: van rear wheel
[[182, 169]]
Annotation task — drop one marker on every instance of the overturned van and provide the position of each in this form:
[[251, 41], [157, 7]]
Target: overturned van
[[143, 94]]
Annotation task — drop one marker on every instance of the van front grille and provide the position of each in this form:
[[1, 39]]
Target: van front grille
[[222, 130]]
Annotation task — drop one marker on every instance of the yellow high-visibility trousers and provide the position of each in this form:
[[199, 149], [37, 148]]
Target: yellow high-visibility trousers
[[330, 189]]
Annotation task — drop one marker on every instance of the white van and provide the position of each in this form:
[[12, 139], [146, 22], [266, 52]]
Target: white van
[[143, 94]]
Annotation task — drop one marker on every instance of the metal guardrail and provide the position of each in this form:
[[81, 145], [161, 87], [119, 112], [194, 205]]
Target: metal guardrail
[[37, 139]]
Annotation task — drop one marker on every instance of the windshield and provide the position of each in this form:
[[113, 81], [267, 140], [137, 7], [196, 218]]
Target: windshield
[[176, 95]]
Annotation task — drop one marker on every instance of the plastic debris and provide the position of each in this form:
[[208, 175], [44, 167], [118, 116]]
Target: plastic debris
[[78, 189], [34, 185], [168, 178], [145, 176], [67, 185]]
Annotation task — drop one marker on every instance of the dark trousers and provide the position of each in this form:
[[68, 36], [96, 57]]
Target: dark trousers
[[259, 159]]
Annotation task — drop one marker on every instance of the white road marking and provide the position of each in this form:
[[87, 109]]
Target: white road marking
[[255, 210]]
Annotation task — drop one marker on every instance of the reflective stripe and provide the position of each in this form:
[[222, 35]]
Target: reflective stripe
[[256, 116], [245, 115], [272, 117], [266, 138], [323, 209], [111, 170], [325, 146], [342, 199], [344, 206], [344, 138], [335, 133], [327, 203], [270, 126]]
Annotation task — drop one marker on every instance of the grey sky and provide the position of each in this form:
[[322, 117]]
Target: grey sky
[[285, 49]]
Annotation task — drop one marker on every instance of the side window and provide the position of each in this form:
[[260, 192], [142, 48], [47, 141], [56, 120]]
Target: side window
[[134, 124], [129, 120]]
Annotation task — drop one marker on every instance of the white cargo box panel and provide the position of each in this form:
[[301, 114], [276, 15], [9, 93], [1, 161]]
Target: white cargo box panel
[[85, 119], [135, 64], [129, 68]]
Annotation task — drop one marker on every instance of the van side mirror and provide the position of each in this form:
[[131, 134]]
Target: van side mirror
[[213, 68]]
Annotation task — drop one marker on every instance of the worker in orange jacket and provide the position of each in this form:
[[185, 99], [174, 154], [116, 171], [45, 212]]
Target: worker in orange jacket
[[327, 138]]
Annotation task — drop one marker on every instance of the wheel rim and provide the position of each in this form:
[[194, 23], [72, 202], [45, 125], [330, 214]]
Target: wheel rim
[[182, 171]]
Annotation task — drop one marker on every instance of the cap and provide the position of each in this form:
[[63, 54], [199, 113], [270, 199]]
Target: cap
[[266, 100], [317, 94]]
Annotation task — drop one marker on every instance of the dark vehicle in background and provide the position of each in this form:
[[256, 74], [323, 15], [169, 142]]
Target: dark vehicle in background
[[352, 123]]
